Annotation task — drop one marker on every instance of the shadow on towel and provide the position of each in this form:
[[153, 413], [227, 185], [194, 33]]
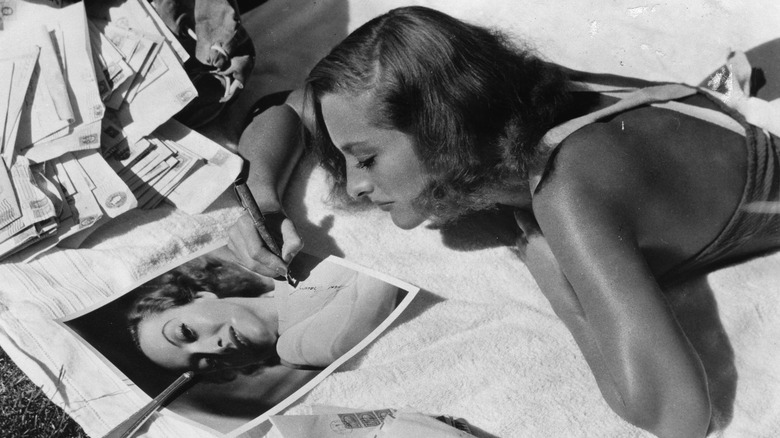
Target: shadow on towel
[[697, 313], [119, 226], [316, 236], [421, 303], [765, 80], [488, 229]]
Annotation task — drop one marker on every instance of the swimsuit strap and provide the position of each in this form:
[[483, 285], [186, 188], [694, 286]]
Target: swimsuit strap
[[661, 96], [642, 96]]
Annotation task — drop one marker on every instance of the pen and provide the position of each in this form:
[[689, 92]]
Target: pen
[[249, 203], [126, 428]]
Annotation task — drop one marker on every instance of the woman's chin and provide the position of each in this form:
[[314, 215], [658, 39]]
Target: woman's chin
[[244, 359], [407, 221]]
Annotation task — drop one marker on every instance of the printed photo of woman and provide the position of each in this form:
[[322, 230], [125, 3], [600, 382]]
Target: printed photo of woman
[[252, 341]]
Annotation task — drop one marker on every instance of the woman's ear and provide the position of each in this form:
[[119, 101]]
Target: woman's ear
[[206, 294]]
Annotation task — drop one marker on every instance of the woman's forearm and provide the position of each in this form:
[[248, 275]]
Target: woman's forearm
[[273, 145], [559, 292]]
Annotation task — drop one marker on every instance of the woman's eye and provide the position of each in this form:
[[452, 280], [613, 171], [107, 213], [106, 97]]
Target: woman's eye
[[366, 163], [187, 333]]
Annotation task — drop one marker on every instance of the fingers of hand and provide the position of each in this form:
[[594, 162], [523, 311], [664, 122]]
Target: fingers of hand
[[226, 84], [250, 250], [218, 57], [240, 67], [522, 244], [292, 241], [235, 75], [231, 91], [527, 222]]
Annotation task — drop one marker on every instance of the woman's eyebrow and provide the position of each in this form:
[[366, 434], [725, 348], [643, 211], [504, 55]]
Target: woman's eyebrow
[[164, 332], [351, 146]]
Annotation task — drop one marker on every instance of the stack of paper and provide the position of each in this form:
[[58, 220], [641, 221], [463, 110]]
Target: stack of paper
[[53, 180], [140, 75], [153, 168], [383, 423], [78, 96], [37, 215], [17, 80], [61, 197], [158, 168], [62, 110]]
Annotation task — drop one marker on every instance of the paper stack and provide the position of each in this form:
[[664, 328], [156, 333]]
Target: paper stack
[[53, 180], [140, 74], [78, 96], [382, 423], [190, 172]]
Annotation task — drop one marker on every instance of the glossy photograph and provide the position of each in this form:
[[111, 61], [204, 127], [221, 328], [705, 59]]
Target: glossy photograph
[[255, 344]]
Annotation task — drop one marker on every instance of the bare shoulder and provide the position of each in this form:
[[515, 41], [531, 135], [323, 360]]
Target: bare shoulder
[[667, 180], [295, 100], [595, 162]]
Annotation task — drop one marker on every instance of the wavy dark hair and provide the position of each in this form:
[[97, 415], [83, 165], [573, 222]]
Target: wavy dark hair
[[180, 286], [476, 105]]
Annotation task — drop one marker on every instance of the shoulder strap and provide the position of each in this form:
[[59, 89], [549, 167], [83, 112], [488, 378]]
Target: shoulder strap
[[662, 96], [642, 96]]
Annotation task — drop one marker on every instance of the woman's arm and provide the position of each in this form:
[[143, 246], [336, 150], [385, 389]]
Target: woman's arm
[[645, 366], [541, 263], [273, 145]]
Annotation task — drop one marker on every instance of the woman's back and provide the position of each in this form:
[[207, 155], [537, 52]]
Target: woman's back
[[675, 180]]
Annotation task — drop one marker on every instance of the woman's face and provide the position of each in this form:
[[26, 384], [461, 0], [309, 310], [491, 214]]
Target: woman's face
[[382, 164], [209, 333]]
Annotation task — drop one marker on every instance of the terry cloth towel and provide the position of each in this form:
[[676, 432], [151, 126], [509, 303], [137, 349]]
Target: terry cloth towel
[[480, 342]]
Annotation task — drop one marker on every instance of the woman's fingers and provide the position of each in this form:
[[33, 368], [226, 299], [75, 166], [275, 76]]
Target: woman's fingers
[[292, 241], [218, 57], [527, 222], [247, 245], [529, 230], [237, 73]]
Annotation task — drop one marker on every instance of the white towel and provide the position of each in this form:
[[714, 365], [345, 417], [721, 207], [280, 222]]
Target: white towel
[[480, 342]]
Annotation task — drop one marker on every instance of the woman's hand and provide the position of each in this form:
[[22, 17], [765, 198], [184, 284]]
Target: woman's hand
[[530, 231], [246, 244], [272, 143]]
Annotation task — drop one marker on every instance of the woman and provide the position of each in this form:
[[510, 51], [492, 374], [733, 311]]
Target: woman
[[429, 117], [180, 326]]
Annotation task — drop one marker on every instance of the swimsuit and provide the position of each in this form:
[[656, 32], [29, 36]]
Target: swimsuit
[[757, 216]]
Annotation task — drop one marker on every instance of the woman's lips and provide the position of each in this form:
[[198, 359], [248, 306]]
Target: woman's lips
[[239, 341], [384, 206]]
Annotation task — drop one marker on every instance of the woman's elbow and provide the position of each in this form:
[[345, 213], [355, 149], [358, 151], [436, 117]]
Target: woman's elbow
[[682, 412]]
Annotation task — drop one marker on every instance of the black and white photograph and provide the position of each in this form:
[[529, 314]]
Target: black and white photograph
[[438, 218], [252, 342]]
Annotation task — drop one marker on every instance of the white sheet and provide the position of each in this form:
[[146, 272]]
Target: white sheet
[[481, 343]]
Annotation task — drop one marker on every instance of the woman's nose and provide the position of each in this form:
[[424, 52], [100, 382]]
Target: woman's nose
[[358, 185], [218, 342]]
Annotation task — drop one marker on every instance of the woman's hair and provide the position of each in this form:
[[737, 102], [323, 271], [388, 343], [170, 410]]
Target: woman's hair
[[475, 105], [180, 286]]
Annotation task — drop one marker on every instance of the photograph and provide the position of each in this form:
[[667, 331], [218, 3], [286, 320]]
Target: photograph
[[540, 218], [255, 344]]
